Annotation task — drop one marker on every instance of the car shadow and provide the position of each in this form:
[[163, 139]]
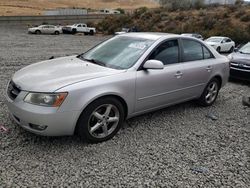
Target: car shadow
[[238, 81]]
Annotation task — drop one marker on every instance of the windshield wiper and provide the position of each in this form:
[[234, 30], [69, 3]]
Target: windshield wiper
[[95, 61]]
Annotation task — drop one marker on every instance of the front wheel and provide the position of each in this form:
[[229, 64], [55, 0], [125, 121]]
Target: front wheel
[[91, 32], [74, 31], [57, 32], [231, 49], [218, 49], [210, 93], [38, 32], [101, 120]]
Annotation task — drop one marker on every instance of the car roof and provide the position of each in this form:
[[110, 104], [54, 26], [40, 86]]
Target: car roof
[[218, 37], [150, 35]]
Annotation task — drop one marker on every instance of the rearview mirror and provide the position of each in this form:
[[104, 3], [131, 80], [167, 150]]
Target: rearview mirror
[[153, 64]]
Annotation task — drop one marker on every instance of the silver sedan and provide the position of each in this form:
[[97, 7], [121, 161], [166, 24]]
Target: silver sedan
[[93, 93]]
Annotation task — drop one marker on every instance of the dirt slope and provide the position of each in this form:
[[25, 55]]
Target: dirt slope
[[36, 7]]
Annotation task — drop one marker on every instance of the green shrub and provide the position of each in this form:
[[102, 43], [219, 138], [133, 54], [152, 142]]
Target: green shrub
[[240, 13], [245, 18]]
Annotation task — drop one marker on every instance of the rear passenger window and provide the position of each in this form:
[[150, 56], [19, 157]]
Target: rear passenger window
[[167, 52], [192, 50]]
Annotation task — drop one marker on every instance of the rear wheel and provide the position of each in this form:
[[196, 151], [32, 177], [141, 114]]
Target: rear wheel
[[101, 120], [91, 32], [38, 32], [210, 93]]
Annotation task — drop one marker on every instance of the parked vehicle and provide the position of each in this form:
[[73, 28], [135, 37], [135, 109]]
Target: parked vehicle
[[123, 31], [240, 63], [195, 35], [93, 93], [221, 44], [45, 29], [127, 30], [79, 28], [109, 11]]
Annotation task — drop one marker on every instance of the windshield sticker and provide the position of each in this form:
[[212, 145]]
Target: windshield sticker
[[140, 45]]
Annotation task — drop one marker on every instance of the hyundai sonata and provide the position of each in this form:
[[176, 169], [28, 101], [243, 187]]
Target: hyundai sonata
[[93, 93]]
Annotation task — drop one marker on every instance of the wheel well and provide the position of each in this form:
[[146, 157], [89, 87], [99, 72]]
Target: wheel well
[[219, 79], [124, 104]]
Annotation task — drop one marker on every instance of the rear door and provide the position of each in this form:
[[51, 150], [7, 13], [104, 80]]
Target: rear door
[[196, 66]]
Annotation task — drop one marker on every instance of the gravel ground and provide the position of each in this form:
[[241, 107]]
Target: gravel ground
[[175, 147]]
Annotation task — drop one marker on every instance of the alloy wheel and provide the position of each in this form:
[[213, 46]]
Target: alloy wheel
[[103, 121], [211, 93]]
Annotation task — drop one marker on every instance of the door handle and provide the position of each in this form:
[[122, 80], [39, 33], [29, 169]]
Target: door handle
[[209, 68], [178, 74]]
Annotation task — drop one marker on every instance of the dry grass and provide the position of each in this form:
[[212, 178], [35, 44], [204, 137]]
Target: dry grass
[[36, 7]]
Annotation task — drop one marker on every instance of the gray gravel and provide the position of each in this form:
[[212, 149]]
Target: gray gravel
[[181, 146]]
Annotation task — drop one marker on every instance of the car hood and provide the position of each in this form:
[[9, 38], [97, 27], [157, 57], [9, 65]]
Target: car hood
[[32, 28], [51, 75], [241, 58]]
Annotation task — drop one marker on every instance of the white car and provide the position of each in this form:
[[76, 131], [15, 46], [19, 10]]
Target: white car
[[79, 28], [221, 44], [123, 31], [45, 29]]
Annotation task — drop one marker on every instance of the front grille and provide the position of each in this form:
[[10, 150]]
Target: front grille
[[240, 66], [13, 91]]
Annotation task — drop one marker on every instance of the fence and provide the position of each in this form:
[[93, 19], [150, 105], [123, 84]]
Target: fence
[[59, 19]]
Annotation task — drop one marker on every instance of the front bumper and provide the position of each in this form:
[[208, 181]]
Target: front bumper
[[57, 123], [240, 74]]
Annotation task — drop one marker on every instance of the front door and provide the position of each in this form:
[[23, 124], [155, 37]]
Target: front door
[[156, 88]]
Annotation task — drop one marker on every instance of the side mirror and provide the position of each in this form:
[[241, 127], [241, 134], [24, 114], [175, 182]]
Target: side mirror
[[153, 64], [236, 49]]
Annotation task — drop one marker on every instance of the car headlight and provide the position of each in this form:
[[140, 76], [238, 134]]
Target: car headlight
[[46, 99]]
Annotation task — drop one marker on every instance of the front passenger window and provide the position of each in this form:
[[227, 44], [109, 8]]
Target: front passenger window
[[167, 52]]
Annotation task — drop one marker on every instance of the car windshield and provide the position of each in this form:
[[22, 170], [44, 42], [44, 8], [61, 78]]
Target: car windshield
[[118, 52], [245, 49], [214, 39]]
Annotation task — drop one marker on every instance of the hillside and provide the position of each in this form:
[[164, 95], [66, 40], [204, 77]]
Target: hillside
[[231, 21], [36, 7]]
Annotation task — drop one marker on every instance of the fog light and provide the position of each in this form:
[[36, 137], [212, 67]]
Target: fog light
[[38, 127]]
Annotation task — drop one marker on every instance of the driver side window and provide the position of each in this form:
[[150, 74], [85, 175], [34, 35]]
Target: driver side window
[[167, 52]]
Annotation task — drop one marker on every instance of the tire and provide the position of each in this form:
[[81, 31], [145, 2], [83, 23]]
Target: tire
[[74, 31], [38, 32], [91, 32], [210, 93], [57, 32], [100, 120], [218, 49], [231, 49]]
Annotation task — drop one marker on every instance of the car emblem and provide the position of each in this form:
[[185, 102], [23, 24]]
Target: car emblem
[[241, 65]]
